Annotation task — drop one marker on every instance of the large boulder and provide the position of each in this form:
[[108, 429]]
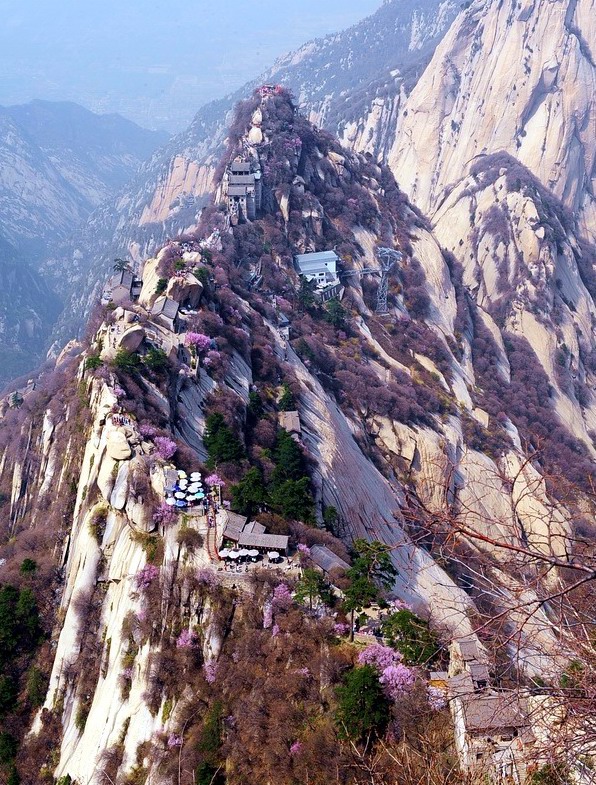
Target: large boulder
[[117, 446], [185, 289], [131, 339], [255, 135], [150, 279]]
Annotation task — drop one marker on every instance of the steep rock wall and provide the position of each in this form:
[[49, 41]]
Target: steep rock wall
[[535, 58]]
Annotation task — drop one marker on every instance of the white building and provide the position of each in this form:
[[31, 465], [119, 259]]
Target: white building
[[320, 267]]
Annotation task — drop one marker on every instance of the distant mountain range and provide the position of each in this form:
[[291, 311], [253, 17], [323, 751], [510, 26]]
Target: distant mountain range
[[58, 162]]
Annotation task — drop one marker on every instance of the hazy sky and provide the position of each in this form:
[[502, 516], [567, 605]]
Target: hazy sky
[[154, 61]]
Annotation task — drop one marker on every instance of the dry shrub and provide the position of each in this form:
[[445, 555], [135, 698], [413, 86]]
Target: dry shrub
[[190, 538], [38, 751]]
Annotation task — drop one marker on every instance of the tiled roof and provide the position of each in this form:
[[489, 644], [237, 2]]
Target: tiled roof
[[242, 179], [493, 711], [469, 649], [324, 558], [274, 542], [234, 525], [254, 528], [165, 306], [122, 278], [240, 166], [290, 421]]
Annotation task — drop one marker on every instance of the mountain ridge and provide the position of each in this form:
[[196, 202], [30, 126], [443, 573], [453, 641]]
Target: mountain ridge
[[431, 427], [176, 183]]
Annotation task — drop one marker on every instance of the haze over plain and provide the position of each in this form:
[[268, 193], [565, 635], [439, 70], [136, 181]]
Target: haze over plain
[[153, 62]]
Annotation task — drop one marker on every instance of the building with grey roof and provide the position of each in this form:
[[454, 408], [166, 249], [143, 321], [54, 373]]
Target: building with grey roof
[[469, 649], [320, 267], [239, 167], [495, 712], [123, 287], [252, 535], [254, 528], [242, 190], [493, 731], [234, 526], [326, 560], [264, 542], [165, 313], [290, 422], [493, 734]]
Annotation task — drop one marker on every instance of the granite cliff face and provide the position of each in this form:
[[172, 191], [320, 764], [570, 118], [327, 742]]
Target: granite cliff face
[[518, 78], [443, 408]]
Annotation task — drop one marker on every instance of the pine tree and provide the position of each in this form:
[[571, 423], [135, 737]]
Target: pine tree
[[222, 444], [411, 636], [312, 586], [249, 493], [363, 710], [289, 459], [371, 571], [287, 402]]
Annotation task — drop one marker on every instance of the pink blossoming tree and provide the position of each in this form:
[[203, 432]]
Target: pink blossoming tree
[[210, 671], [214, 481], [165, 447], [396, 680], [174, 740], [187, 640], [145, 576], [198, 342], [282, 598], [165, 515], [395, 677]]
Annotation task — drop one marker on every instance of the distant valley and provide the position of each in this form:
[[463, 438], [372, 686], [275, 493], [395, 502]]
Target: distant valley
[[58, 162]]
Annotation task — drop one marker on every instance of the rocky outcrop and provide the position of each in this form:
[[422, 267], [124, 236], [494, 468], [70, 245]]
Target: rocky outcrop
[[522, 264], [185, 289]]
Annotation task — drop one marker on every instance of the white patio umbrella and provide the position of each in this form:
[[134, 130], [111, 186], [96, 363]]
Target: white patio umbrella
[[194, 476], [224, 553], [243, 553], [182, 474], [233, 555], [171, 501], [273, 555], [180, 495], [253, 554]]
